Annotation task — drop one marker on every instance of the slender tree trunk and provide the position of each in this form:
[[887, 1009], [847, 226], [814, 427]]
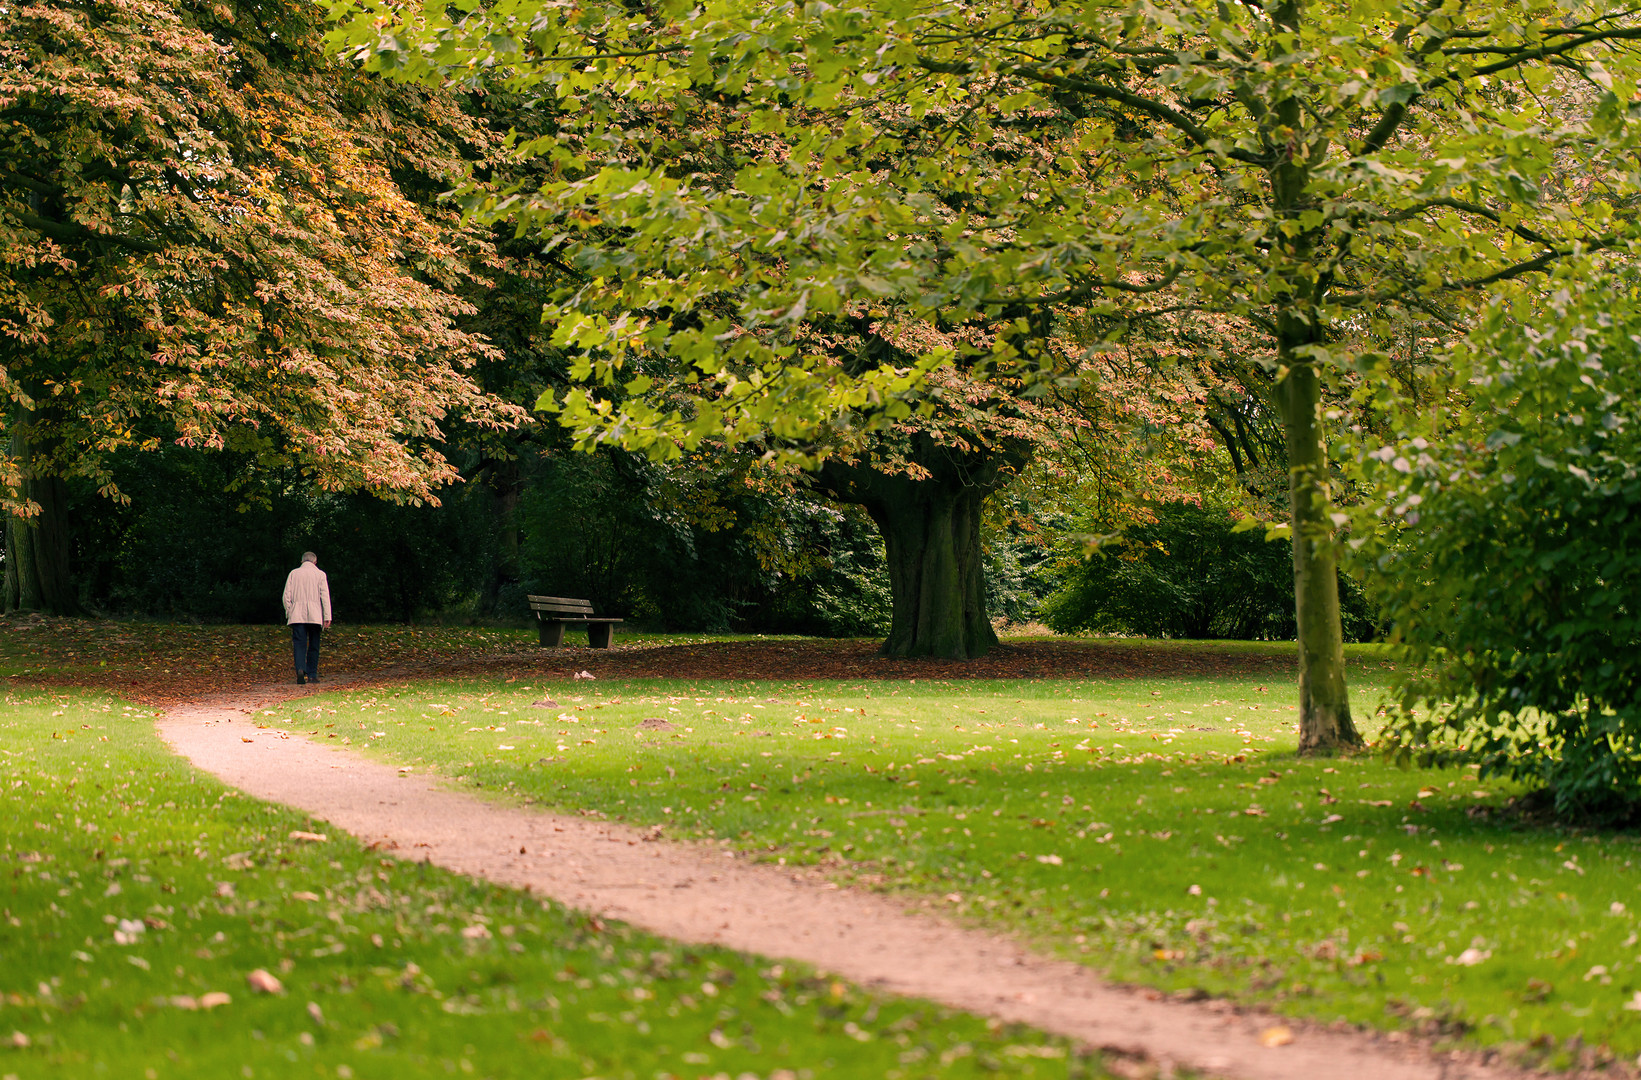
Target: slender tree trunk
[[932, 539], [1324, 704], [38, 550]]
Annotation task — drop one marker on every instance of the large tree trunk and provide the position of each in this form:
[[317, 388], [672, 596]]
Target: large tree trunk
[[38, 551], [931, 535], [932, 539]]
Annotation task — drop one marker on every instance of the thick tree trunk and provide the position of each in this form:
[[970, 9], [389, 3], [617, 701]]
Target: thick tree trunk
[[38, 573], [935, 574], [931, 535]]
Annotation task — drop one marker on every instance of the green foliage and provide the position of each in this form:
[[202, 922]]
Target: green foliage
[[212, 536], [732, 184], [694, 545], [1190, 574], [1513, 572]]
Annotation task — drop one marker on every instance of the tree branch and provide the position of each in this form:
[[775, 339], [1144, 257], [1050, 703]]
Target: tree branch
[[59, 230]]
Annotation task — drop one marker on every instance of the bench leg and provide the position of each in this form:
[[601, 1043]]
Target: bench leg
[[600, 635], [552, 633]]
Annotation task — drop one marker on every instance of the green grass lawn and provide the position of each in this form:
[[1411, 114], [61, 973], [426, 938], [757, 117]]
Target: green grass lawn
[[1161, 830], [139, 896]]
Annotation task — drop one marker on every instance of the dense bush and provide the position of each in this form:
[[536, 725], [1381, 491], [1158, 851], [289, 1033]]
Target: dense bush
[[212, 536], [1019, 555], [1189, 575], [1514, 575], [697, 547]]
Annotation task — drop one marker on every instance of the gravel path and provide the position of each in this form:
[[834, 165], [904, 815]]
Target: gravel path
[[696, 893]]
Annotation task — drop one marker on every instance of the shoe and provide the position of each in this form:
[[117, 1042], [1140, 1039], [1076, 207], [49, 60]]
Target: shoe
[[313, 678], [301, 678]]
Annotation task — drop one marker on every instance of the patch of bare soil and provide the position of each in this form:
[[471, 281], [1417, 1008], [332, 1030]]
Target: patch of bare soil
[[699, 893]]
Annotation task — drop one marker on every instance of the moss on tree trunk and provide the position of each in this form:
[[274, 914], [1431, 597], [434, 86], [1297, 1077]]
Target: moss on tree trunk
[[1324, 702]]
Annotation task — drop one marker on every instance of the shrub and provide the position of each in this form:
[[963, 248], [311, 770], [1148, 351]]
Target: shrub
[[1188, 575], [1512, 571]]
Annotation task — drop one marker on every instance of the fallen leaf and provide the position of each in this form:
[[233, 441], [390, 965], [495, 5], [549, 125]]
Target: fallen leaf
[[476, 932], [264, 983], [215, 999], [310, 837], [19, 1040], [1276, 1036], [304, 894]]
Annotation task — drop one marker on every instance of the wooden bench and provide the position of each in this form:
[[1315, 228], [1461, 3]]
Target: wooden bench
[[554, 613]]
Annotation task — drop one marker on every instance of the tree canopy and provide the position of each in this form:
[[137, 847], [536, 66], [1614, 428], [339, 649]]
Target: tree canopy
[[1308, 168], [202, 241]]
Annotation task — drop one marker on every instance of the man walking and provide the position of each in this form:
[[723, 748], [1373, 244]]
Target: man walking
[[307, 610]]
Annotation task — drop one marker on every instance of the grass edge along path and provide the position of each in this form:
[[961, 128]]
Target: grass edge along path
[[142, 897], [688, 892]]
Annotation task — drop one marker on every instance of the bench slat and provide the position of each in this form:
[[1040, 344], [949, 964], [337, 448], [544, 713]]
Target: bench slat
[[581, 608]]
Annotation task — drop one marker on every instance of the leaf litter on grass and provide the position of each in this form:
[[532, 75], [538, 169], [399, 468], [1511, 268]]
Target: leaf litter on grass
[[1097, 817], [160, 922]]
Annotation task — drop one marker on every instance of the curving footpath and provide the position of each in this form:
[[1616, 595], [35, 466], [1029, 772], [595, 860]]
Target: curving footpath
[[695, 893]]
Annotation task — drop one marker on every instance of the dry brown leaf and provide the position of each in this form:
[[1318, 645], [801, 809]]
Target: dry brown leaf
[[1276, 1036], [304, 894], [310, 837], [264, 983], [214, 999]]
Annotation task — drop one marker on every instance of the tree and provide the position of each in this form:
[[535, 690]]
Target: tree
[[1310, 168], [924, 485], [202, 243]]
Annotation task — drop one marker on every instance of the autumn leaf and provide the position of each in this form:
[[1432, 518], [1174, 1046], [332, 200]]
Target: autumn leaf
[[264, 983]]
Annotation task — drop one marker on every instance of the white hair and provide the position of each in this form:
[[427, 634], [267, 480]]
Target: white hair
[[308, 556]]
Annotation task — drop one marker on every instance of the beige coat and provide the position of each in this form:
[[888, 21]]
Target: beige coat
[[307, 595]]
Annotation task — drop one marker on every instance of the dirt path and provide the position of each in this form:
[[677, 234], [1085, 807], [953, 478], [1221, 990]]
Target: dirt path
[[699, 894]]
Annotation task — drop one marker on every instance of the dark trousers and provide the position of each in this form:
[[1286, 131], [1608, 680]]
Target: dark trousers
[[305, 648]]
